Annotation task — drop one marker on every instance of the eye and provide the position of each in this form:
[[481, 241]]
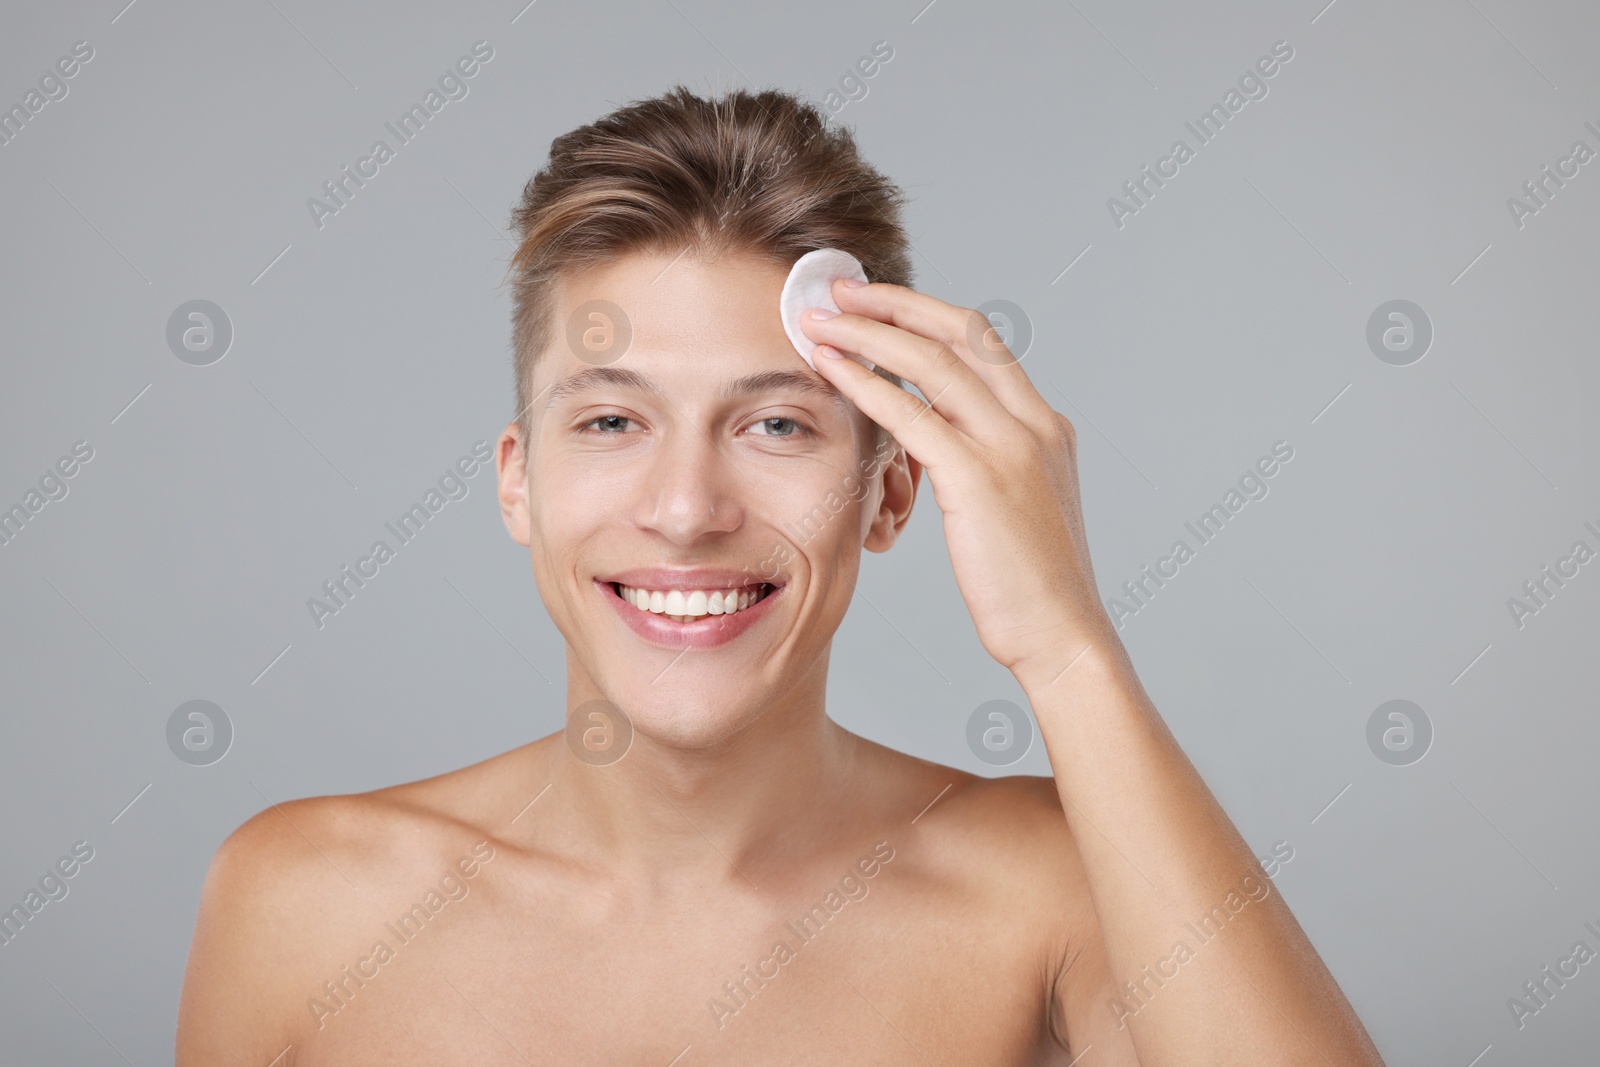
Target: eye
[[775, 426], [796, 430], [610, 422]]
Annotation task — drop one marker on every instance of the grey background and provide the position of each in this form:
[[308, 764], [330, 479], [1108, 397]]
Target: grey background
[[1228, 314]]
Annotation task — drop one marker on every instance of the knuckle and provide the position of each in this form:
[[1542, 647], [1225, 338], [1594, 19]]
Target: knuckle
[[1014, 442], [942, 355]]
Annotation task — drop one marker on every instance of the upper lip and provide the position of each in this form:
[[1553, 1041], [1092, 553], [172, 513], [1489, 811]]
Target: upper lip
[[707, 578]]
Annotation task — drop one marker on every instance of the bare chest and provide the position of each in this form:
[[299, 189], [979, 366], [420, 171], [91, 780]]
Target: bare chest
[[891, 978]]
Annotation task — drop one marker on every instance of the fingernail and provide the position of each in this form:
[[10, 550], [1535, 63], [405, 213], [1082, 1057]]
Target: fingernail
[[822, 313], [853, 283], [828, 352]]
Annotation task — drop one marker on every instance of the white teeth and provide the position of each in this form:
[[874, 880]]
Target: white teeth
[[680, 605]]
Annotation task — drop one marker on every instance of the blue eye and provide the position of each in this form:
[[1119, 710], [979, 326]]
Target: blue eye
[[606, 419], [614, 426], [795, 432]]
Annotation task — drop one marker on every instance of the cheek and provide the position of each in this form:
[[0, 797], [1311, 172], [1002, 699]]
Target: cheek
[[563, 513], [828, 532], [566, 493]]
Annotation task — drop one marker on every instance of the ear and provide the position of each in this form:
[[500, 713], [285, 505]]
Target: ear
[[901, 477], [511, 465]]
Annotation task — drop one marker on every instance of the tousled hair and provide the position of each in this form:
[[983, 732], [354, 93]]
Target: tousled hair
[[760, 174]]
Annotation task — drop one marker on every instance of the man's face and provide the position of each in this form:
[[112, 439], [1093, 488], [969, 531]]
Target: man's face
[[734, 466]]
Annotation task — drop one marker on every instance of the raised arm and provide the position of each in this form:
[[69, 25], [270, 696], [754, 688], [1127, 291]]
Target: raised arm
[[1209, 964], [1205, 964]]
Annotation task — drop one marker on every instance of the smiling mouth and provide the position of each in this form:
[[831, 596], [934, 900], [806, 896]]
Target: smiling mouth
[[692, 605]]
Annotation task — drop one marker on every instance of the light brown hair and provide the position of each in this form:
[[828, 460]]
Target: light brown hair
[[760, 174]]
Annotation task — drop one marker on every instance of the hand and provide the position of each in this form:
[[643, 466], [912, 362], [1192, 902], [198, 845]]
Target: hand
[[1002, 463]]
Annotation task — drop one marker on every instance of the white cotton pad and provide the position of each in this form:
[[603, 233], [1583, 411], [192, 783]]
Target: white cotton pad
[[810, 285]]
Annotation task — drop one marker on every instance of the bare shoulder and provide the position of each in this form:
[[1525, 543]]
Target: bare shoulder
[[1011, 819], [1006, 836], [1000, 853], [294, 889]]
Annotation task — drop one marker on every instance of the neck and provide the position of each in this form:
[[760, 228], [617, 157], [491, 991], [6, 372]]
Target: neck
[[671, 813]]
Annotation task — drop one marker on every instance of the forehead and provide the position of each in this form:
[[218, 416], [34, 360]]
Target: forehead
[[670, 300], [657, 322]]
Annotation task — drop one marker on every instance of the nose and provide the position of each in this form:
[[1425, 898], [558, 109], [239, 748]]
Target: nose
[[690, 490]]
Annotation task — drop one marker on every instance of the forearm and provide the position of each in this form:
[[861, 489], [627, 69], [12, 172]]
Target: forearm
[[1167, 868]]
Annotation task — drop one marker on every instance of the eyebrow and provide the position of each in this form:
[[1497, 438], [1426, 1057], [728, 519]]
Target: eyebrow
[[769, 381]]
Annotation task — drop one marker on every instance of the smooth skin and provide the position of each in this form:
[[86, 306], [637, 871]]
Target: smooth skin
[[612, 906]]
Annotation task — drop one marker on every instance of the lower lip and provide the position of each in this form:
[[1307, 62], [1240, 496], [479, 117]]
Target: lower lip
[[712, 631]]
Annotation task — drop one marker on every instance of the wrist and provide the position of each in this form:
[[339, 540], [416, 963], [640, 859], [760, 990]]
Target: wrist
[[1079, 650]]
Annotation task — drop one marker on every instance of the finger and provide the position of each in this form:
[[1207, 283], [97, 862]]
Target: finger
[[923, 432], [950, 384], [965, 330]]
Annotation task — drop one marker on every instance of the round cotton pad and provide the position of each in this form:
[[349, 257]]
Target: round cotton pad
[[810, 285]]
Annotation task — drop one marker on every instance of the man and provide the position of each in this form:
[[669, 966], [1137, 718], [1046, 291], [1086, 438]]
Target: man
[[704, 868]]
